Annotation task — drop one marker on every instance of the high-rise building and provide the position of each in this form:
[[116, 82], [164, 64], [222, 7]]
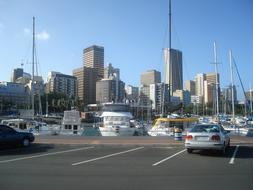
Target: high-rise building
[[17, 73], [159, 96], [227, 93], [132, 93], [173, 69], [110, 90], [211, 78], [93, 57], [183, 95], [190, 86], [199, 79], [209, 92], [150, 77], [110, 71], [61, 83], [86, 84]]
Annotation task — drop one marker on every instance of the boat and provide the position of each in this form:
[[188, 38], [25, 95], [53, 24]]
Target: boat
[[71, 123], [166, 126], [115, 120], [33, 126]]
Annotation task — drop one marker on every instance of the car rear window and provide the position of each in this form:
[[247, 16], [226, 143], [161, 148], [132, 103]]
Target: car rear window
[[205, 128]]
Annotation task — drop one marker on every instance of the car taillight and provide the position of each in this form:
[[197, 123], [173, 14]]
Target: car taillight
[[216, 137], [189, 137]]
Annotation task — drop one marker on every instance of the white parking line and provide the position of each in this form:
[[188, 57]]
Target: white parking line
[[42, 155], [107, 156], [157, 163], [232, 160]]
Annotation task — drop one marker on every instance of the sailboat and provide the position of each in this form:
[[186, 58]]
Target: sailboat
[[164, 126]]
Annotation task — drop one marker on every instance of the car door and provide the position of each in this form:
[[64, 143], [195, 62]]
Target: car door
[[9, 135]]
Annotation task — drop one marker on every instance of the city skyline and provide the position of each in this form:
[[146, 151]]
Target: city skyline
[[133, 36]]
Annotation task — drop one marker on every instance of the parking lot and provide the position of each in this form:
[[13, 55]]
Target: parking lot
[[125, 166]]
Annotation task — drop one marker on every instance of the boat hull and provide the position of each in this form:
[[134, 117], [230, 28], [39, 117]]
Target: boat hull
[[117, 131]]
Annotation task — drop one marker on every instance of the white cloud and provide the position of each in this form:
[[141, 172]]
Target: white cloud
[[27, 31], [44, 35]]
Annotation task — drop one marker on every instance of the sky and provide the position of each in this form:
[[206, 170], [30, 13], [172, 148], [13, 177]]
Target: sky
[[132, 32]]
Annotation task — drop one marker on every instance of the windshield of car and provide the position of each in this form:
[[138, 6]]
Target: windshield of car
[[205, 128]]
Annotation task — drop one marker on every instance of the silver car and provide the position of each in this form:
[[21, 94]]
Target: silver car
[[207, 136]]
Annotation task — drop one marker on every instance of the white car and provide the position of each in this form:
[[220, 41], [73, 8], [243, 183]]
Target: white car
[[207, 136]]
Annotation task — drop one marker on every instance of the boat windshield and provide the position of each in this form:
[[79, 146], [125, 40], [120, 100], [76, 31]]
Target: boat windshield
[[116, 118], [116, 108]]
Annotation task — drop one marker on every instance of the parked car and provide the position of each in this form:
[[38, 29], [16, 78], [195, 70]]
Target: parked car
[[207, 136], [11, 137]]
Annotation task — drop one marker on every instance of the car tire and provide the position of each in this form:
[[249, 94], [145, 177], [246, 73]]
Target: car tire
[[189, 150], [25, 142]]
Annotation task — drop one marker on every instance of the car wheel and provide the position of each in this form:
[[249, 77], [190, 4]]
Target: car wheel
[[189, 150], [25, 142]]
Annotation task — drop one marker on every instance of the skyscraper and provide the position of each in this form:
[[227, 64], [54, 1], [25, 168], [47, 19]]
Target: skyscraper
[[199, 79], [93, 57], [86, 84], [111, 71], [61, 83], [190, 85], [110, 90], [211, 78], [173, 75], [16, 73], [150, 77]]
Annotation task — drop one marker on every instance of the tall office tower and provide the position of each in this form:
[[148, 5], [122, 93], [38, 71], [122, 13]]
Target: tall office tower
[[150, 77], [211, 78], [132, 93], [61, 83], [86, 84], [173, 75], [228, 94], [190, 85], [107, 90], [111, 71], [159, 96], [209, 92], [199, 79], [93, 57], [211, 81], [16, 73]]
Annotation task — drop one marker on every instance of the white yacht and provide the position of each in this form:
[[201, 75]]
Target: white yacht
[[116, 120], [71, 122]]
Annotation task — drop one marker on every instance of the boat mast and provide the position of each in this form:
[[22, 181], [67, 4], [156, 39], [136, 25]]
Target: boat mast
[[217, 82], [33, 62], [250, 96], [232, 86]]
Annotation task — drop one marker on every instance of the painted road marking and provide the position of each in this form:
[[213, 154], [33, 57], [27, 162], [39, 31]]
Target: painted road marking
[[157, 163], [42, 155], [107, 156], [232, 160]]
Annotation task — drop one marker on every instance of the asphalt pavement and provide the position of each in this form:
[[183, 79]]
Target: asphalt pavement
[[125, 167]]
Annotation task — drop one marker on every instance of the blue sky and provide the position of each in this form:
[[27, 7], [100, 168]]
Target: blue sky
[[133, 33]]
